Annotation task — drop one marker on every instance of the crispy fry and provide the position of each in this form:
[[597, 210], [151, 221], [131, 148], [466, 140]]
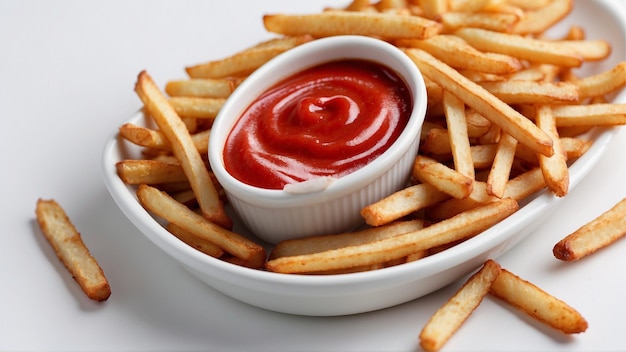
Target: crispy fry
[[589, 115], [500, 22], [202, 108], [537, 303], [454, 110], [164, 206], [155, 139], [533, 50], [245, 61], [484, 102], [433, 9], [71, 250], [202, 88], [594, 235], [603, 83], [330, 23], [136, 172], [199, 243], [184, 149], [449, 317], [441, 177], [402, 203], [316, 244], [531, 92], [554, 167], [455, 52], [542, 17], [459, 227], [501, 167]]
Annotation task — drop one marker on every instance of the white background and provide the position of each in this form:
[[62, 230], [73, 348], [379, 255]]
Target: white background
[[67, 71]]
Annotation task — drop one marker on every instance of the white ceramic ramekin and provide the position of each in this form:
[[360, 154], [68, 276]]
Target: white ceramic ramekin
[[276, 215]]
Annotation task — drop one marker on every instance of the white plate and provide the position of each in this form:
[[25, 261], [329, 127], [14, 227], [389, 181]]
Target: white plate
[[368, 291]]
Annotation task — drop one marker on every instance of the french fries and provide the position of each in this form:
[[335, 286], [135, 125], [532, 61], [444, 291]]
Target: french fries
[[71, 250], [183, 148], [166, 207], [504, 111], [489, 106], [456, 228], [596, 234], [537, 303], [498, 282], [458, 308], [506, 117]]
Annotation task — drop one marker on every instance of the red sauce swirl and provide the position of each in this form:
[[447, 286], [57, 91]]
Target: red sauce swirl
[[328, 120]]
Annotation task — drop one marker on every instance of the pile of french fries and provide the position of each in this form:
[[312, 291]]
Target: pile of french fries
[[506, 116]]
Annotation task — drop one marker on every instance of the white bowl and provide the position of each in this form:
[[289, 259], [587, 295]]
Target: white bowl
[[276, 215], [367, 291]]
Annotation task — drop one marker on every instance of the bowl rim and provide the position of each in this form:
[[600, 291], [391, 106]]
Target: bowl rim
[[331, 49]]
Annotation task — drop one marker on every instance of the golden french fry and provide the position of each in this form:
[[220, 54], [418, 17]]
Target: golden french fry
[[436, 141], [554, 167], [184, 149], [589, 115], [467, 5], [574, 147], [441, 177], [71, 250], [542, 17], [244, 62], [146, 137], [594, 235], [477, 125], [457, 53], [449, 317], [164, 206], [525, 184], [501, 167], [433, 9], [330, 23], [316, 244], [603, 83], [532, 92], [478, 77], [537, 303], [456, 121], [588, 50], [524, 48], [500, 22], [456, 228], [528, 4], [402, 203], [483, 155], [483, 102], [202, 87], [151, 172], [199, 243], [202, 108]]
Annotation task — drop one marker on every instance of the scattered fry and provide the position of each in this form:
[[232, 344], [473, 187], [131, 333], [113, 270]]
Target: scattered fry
[[71, 250], [458, 308], [537, 303], [596, 234]]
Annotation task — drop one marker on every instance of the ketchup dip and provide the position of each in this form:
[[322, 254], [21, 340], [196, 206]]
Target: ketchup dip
[[328, 120]]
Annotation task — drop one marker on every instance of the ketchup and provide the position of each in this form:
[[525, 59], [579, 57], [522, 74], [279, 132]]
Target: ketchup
[[328, 120]]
